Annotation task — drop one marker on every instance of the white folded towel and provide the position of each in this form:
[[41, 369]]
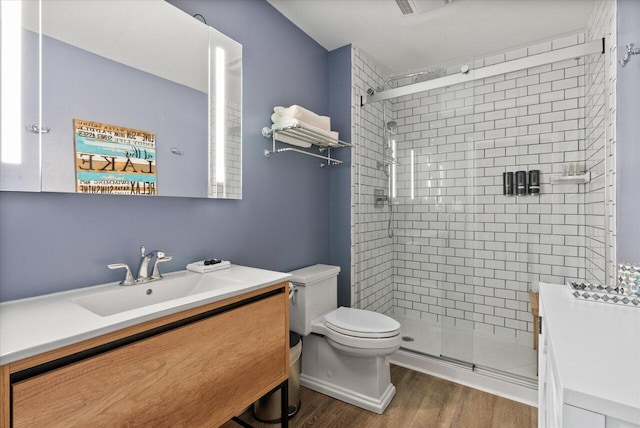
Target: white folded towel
[[296, 122], [301, 113], [199, 267]]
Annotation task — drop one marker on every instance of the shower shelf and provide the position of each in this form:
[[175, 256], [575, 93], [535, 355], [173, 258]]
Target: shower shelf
[[323, 142], [571, 179]]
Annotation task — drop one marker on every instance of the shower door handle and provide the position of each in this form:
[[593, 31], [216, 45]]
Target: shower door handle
[[448, 227]]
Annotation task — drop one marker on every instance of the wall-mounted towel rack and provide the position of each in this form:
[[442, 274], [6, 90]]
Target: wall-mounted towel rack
[[298, 132]]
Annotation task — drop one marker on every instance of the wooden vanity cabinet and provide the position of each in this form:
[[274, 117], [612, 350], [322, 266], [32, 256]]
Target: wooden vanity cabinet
[[193, 369]]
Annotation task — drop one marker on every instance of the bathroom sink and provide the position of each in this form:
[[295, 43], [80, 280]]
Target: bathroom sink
[[125, 298]]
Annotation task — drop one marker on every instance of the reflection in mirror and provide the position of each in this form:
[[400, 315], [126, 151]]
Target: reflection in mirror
[[225, 152], [143, 65]]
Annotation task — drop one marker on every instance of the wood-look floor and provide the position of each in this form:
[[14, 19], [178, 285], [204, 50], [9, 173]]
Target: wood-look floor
[[421, 401]]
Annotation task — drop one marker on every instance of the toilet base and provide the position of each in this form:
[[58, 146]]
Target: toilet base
[[362, 381], [377, 405]]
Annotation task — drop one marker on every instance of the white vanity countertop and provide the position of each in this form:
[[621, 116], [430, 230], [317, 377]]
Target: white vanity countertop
[[597, 352], [39, 324]]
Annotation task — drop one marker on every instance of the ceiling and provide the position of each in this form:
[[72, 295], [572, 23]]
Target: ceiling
[[442, 32]]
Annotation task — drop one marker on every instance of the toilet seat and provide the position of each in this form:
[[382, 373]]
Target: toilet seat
[[362, 324], [358, 332]]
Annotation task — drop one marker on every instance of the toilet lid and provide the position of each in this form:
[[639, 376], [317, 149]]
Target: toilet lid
[[360, 323]]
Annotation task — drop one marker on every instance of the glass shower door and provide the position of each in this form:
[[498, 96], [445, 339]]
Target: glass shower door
[[454, 203], [433, 193]]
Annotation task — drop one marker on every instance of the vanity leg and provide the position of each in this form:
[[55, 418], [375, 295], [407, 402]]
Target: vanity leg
[[5, 397], [284, 403]]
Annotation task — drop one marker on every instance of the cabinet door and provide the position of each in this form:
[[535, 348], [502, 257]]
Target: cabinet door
[[200, 374], [574, 417], [549, 388], [542, 380], [553, 392], [545, 384], [617, 423]]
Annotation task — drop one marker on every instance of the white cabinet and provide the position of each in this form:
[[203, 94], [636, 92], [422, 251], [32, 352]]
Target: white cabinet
[[549, 391], [576, 417], [575, 390], [617, 423]]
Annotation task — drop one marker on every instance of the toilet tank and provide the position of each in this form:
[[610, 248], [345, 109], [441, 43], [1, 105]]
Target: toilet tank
[[316, 294]]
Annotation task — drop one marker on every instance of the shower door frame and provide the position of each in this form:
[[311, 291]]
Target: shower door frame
[[584, 49]]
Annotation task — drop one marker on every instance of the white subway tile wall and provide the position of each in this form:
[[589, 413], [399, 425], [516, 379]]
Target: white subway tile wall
[[463, 254], [372, 250], [600, 152]]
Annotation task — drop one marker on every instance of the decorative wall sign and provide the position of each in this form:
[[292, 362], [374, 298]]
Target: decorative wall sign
[[114, 160]]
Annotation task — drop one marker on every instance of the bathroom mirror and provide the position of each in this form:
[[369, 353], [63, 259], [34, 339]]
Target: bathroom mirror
[[123, 69]]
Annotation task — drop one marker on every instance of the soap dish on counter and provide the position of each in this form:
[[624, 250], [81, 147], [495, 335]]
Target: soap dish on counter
[[206, 266], [605, 293]]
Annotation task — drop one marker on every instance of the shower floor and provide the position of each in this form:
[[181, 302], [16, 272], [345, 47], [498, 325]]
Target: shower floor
[[466, 346]]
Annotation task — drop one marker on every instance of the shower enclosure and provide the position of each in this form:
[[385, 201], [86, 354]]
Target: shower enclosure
[[450, 256]]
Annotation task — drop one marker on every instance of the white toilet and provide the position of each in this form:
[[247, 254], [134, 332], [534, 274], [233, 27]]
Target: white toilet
[[345, 351]]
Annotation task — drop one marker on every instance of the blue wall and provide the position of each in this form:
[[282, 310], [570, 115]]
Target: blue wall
[[51, 242], [340, 177], [628, 136]]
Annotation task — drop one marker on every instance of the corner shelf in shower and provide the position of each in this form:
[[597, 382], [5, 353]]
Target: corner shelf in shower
[[571, 179], [298, 132]]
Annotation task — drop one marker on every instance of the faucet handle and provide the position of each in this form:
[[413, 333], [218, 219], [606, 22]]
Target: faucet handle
[[128, 278], [160, 258]]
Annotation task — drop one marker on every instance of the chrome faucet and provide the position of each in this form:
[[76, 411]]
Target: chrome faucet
[[160, 258], [143, 267], [128, 279]]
